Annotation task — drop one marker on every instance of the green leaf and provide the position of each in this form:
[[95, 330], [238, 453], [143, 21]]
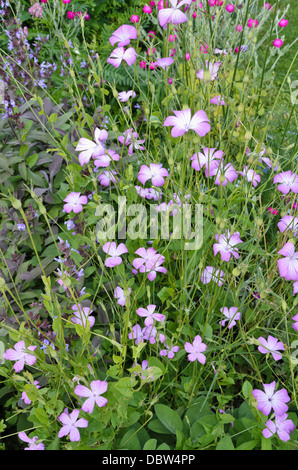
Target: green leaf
[[225, 444], [249, 445], [247, 389], [150, 445], [169, 418]]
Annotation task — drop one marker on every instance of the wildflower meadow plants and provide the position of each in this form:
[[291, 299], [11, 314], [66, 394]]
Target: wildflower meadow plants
[[117, 330]]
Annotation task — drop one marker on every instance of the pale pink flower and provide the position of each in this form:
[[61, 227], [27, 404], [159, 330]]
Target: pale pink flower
[[183, 122], [212, 68], [218, 100], [288, 266], [97, 388], [104, 160], [155, 172], [212, 274], [271, 345], [231, 315], [115, 253], [282, 427], [82, 315], [150, 315], [173, 15], [195, 350], [288, 181], [250, 175], [120, 54], [107, 177], [20, 355], [74, 202], [270, 399], [143, 334], [219, 169], [31, 441], [125, 95], [129, 139], [206, 159], [119, 295], [88, 148], [288, 222], [71, 423], [226, 245]]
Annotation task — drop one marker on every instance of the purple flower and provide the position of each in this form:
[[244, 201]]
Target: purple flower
[[206, 159], [212, 274], [224, 174], [119, 294], [119, 54], [288, 266], [97, 388], [218, 100], [156, 173], [226, 245], [32, 442], [123, 35], [282, 426], [142, 334], [88, 148], [150, 315], [169, 351], [295, 325], [195, 350], [288, 181], [231, 315], [82, 315], [183, 122], [20, 355], [21, 227], [114, 252], [271, 345], [71, 423], [74, 202], [269, 400]]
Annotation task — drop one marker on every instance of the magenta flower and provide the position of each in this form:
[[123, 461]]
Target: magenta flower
[[267, 6], [97, 388], [212, 274], [283, 23], [104, 160], [156, 173], [277, 43], [150, 315], [227, 173], [115, 253], [71, 423], [32, 442], [239, 28], [147, 9], [288, 266], [230, 8], [250, 175], [119, 295], [252, 23], [173, 15], [206, 159], [218, 100], [107, 177], [183, 122], [212, 68], [118, 55], [123, 35], [195, 350], [74, 202], [125, 95], [143, 334], [88, 148], [271, 345], [269, 400], [134, 18], [288, 222], [231, 315], [20, 355], [282, 427], [82, 315], [226, 245]]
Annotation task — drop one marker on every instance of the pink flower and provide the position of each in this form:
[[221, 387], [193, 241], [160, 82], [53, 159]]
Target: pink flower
[[129, 138], [271, 345], [25, 396], [143, 334], [125, 95], [288, 266], [97, 388], [123, 35], [267, 6], [119, 54], [270, 399], [88, 148], [226, 245], [70, 15], [107, 177], [172, 37], [227, 173], [288, 181], [288, 222], [161, 4], [142, 64], [230, 8], [169, 351], [147, 9], [212, 68], [173, 15], [195, 350], [66, 1], [239, 28], [277, 43], [164, 62], [170, 81], [231, 315], [250, 175], [218, 100], [105, 160], [71, 424], [156, 173], [183, 122], [82, 315], [150, 315], [187, 56], [204, 48], [282, 427], [283, 23], [252, 23], [295, 318], [115, 253], [74, 202], [212, 274], [119, 295], [206, 159], [32, 442], [149, 262], [135, 18], [20, 355]]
